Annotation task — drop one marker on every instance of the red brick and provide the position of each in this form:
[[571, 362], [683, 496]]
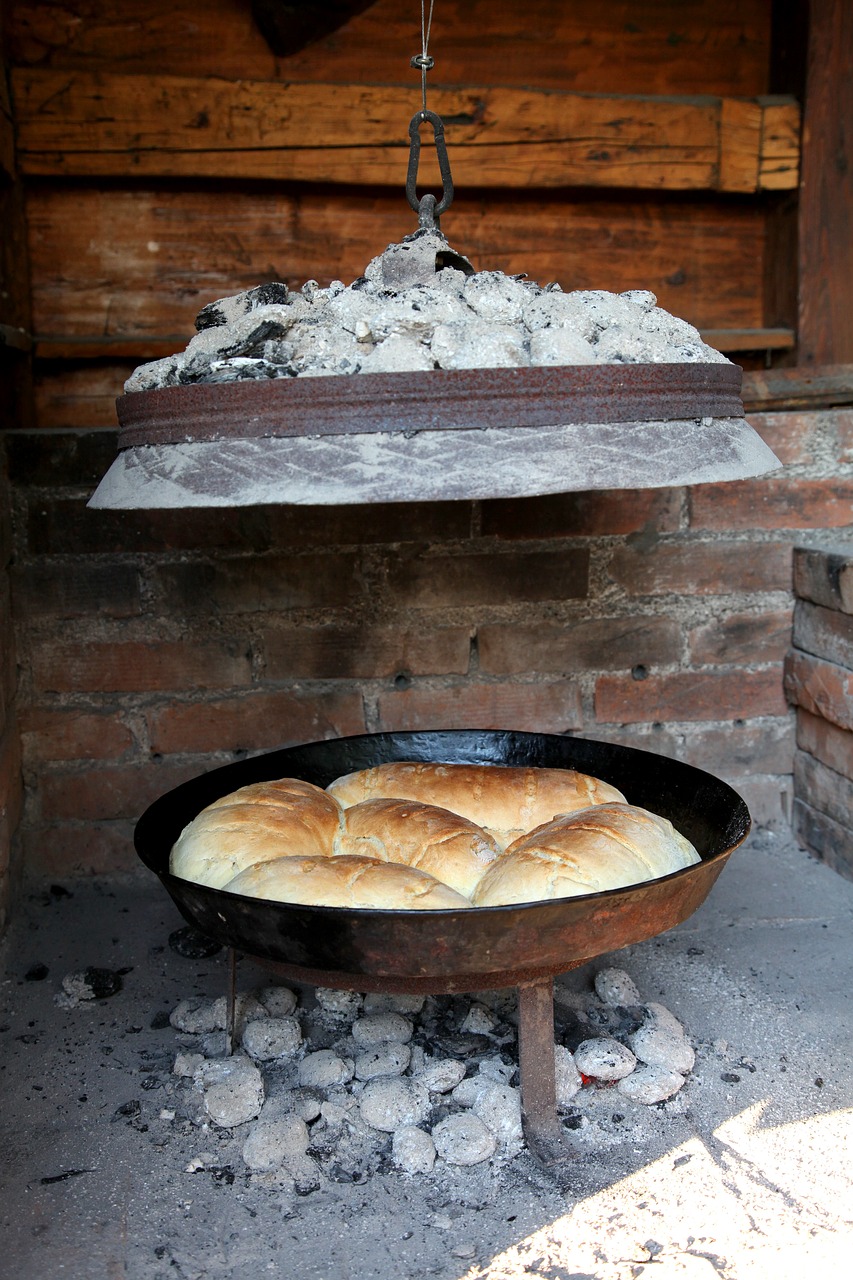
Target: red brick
[[599, 644], [604, 511], [742, 638], [62, 526], [689, 695], [75, 849], [826, 742], [74, 735], [820, 687], [262, 583], [830, 841], [378, 522], [137, 666], [742, 747], [52, 459], [772, 504], [843, 422], [258, 721], [824, 577], [76, 590], [478, 578], [792, 436], [11, 780], [768, 799], [702, 568], [824, 633], [328, 653], [822, 788], [554, 707], [98, 794]]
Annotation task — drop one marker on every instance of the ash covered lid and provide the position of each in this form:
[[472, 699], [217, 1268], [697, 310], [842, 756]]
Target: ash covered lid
[[426, 380], [420, 305]]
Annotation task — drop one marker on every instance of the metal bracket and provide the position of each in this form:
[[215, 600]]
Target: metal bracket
[[427, 209]]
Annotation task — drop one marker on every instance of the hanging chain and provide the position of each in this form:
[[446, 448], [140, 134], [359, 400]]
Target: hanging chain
[[422, 60], [427, 208]]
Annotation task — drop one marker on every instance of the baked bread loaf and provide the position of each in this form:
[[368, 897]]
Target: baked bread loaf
[[420, 835], [254, 824], [346, 881], [608, 846], [506, 801]]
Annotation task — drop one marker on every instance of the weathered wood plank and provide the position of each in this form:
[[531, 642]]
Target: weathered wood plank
[[828, 387], [779, 158], [129, 263], [7, 132], [626, 46], [826, 193], [167, 126]]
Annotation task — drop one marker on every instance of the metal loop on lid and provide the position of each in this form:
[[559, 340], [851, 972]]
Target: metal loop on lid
[[443, 164]]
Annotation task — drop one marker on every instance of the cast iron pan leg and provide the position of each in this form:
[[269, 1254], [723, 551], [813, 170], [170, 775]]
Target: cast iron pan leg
[[231, 1003], [543, 1132]]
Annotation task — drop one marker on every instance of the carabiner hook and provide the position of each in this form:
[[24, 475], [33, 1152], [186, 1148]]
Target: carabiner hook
[[426, 215]]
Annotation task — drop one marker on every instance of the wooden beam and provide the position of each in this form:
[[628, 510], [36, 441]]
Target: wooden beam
[[7, 130], [623, 46], [825, 387], [88, 125], [124, 264], [826, 191]]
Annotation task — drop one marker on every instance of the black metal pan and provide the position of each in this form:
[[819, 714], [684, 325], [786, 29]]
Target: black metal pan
[[468, 950]]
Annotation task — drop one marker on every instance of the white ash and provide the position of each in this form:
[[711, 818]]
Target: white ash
[[268, 1038], [232, 1088], [420, 306], [383, 1060], [387, 1104], [412, 1149], [604, 1059], [615, 986], [463, 1139], [324, 1069], [416, 1083], [650, 1084], [380, 1028]]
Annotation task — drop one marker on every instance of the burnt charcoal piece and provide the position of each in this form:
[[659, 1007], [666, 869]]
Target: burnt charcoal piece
[[36, 973], [210, 317], [461, 1044], [59, 891], [131, 1109], [572, 1119], [102, 982], [264, 295], [730, 1077], [160, 1021], [192, 944], [616, 1020], [224, 1176], [253, 343]]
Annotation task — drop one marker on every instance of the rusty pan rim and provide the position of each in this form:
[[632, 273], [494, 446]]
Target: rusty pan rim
[[429, 400]]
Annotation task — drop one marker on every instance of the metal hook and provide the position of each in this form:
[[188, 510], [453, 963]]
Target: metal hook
[[428, 216]]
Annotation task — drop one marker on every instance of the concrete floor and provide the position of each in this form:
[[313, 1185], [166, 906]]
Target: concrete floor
[[747, 1173]]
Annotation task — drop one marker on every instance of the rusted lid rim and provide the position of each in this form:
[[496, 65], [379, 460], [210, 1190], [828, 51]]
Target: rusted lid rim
[[431, 400]]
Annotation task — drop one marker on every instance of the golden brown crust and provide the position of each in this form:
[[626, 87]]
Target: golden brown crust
[[502, 799], [604, 847], [346, 881], [420, 835], [256, 823]]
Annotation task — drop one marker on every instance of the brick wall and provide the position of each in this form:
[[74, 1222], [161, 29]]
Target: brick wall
[[819, 680], [154, 645], [11, 789]]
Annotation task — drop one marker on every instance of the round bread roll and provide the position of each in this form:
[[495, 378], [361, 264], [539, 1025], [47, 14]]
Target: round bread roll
[[504, 800], [254, 824], [605, 847], [346, 881], [435, 840]]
